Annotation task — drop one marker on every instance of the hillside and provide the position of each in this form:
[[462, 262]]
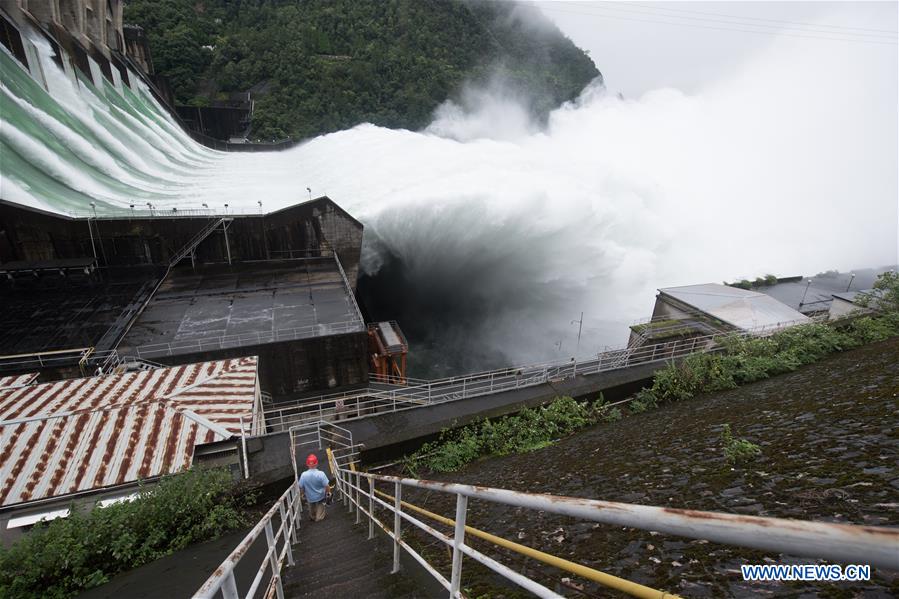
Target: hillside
[[317, 66]]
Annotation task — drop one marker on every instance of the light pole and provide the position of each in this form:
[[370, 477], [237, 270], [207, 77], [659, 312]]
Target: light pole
[[807, 285], [94, 208], [851, 278], [309, 189]]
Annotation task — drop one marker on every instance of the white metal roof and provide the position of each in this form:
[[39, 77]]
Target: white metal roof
[[17, 380], [82, 434], [744, 309]]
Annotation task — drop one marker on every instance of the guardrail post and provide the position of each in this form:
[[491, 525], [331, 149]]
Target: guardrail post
[[358, 498], [297, 508], [229, 587], [397, 506], [273, 558], [458, 540], [371, 508], [340, 477], [347, 484], [286, 526]]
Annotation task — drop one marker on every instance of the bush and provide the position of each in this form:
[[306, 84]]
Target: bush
[[644, 400], [69, 555], [604, 412], [738, 451], [528, 430]]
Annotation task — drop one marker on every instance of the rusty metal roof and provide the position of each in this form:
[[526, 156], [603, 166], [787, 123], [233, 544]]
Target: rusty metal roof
[[17, 380], [82, 434]]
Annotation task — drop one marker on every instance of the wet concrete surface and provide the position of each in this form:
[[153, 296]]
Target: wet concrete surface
[[180, 574], [830, 452]]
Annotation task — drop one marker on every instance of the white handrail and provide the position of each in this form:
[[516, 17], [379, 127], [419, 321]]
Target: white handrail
[[839, 542], [279, 547]]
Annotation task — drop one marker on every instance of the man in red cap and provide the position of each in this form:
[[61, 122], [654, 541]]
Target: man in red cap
[[314, 485]]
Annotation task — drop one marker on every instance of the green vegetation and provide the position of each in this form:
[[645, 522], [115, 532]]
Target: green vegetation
[[738, 451], [885, 295], [528, 430], [69, 555], [323, 65], [765, 281], [745, 360]]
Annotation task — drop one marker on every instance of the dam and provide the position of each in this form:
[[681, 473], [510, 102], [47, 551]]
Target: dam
[[174, 302]]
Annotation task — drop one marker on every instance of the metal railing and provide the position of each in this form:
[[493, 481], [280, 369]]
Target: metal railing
[[349, 288], [255, 338], [391, 397], [838, 542], [160, 212], [223, 582], [320, 435]]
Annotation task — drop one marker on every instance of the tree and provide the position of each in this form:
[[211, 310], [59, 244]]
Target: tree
[[885, 294]]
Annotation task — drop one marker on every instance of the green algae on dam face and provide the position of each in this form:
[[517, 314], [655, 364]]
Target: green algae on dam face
[[830, 451]]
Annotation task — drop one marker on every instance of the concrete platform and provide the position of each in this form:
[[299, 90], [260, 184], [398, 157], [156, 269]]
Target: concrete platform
[[293, 299]]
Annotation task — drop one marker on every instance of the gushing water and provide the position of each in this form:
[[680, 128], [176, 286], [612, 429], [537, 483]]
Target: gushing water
[[487, 234]]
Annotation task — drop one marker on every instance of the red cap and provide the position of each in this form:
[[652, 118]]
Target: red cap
[[311, 460]]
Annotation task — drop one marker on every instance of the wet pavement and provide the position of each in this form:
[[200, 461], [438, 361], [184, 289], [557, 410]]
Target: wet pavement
[[830, 452]]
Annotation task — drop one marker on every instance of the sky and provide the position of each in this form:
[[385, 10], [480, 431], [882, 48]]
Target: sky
[[642, 46]]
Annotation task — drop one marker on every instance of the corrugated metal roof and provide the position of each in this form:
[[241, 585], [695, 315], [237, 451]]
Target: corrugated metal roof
[[81, 434], [17, 380], [741, 308]]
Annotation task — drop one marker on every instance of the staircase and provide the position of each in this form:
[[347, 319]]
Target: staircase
[[198, 239], [337, 560]]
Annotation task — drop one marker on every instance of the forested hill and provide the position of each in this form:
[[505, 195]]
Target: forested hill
[[317, 66]]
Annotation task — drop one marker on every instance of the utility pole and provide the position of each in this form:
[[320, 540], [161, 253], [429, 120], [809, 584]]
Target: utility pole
[[580, 325]]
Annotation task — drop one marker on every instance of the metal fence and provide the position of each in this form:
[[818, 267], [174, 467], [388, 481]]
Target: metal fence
[[254, 338], [286, 514], [838, 542], [389, 396]]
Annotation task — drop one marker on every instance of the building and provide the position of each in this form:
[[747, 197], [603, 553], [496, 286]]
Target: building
[[93, 439], [81, 292], [691, 311], [847, 303]]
